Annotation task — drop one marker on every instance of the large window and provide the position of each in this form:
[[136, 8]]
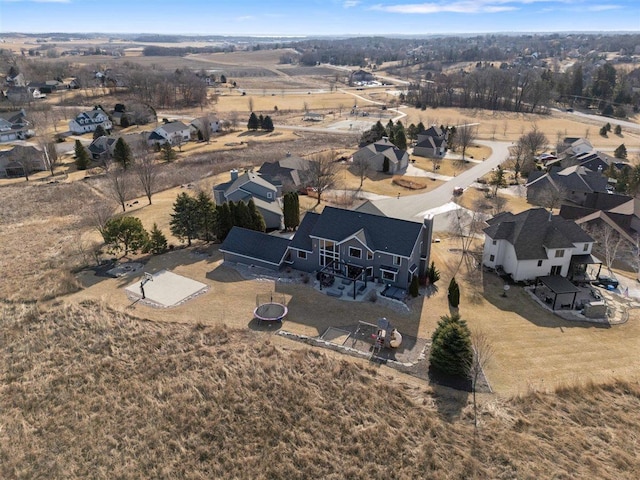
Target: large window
[[539, 263], [388, 276], [302, 255], [328, 253], [492, 258], [556, 270], [586, 247], [369, 255], [396, 260], [560, 253], [355, 252]]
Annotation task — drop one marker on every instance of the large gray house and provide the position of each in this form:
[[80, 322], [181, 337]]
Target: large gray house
[[387, 250], [250, 185], [431, 143], [375, 154]]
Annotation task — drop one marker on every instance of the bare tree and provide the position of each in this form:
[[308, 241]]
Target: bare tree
[[232, 118], [100, 214], [250, 104], [361, 167], [608, 241], [50, 155], [534, 141], [494, 129], [468, 227], [205, 128], [466, 135], [322, 172], [146, 171], [516, 159], [550, 196], [120, 185], [482, 353]]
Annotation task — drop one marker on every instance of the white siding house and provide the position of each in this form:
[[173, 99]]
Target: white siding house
[[89, 121]]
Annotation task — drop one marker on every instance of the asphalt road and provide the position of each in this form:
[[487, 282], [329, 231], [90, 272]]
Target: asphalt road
[[414, 207]]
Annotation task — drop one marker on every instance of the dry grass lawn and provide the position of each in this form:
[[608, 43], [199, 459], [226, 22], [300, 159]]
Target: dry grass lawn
[[90, 393]]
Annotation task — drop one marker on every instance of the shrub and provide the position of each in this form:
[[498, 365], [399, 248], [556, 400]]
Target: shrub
[[414, 288], [433, 274], [454, 293], [451, 351]]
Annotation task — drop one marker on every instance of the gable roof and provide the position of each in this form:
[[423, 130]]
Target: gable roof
[[173, 127], [384, 147], [302, 240], [533, 231], [576, 179], [256, 245], [101, 144], [249, 177], [383, 234]]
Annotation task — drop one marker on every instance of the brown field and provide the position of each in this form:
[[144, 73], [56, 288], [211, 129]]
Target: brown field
[[90, 393]]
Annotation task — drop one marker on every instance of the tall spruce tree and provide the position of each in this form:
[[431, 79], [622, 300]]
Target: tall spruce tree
[[453, 293], [184, 219], [267, 124], [157, 241], [224, 221], [122, 153], [451, 351], [206, 211], [99, 132], [253, 123], [82, 157], [257, 220], [291, 210]]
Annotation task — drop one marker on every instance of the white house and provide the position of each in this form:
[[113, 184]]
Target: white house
[[176, 133], [535, 243], [89, 121]]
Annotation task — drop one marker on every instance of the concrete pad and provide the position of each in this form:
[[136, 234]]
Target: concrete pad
[[166, 289]]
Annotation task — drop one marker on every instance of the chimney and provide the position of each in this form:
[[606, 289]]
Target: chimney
[[234, 174], [550, 214]]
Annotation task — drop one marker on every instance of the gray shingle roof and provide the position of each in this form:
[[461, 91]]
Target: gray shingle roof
[[389, 235], [257, 245], [301, 240], [531, 231], [173, 127]]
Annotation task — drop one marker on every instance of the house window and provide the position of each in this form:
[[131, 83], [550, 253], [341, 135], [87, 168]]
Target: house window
[[328, 253], [492, 258], [495, 242], [302, 255], [557, 270], [269, 194], [586, 247], [369, 255], [396, 260], [355, 252], [539, 263], [369, 272], [388, 276], [560, 253]]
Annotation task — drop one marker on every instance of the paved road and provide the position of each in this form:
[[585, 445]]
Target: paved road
[[601, 119], [414, 207]]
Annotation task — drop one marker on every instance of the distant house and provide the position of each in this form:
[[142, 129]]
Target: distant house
[[431, 143], [360, 76], [383, 249], [13, 126], [250, 185], [571, 184], [313, 117], [88, 121], [20, 95], [14, 161], [102, 147], [291, 172], [620, 212], [535, 243], [176, 133], [376, 153], [198, 123]]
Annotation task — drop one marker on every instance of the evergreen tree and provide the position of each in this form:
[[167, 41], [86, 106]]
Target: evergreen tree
[[157, 241], [433, 274], [206, 216], [261, 122], [420, 128], [399, 138], [603, 131], [99, 132], [267, 124], [291, 210], [414, 287], [257, 220], [168, 153], [618, 130], [253, 123], [389, 131], [454, 293], [498, 179], [451, 351], [82, 157], [124, 122], [620, 152], [242, 217], [122, 153], [412, 132], [224, 221], [184, 219], [125, 233], [372, 135]]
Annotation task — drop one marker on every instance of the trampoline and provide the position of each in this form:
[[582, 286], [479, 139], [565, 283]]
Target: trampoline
[[269, 309]]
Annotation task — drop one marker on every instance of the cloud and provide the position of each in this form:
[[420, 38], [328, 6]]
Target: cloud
[[35, 1], [602, 8], [460, 6], [350, 3], [245, 18]]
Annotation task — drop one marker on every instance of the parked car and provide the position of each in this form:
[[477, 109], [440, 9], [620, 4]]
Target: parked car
[[610, 282]]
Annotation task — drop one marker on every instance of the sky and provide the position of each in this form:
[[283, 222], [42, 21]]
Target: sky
[[317, 17]]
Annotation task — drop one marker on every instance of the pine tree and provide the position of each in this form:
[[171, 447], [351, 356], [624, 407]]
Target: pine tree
[[184, 219], [620, 152], [257, 220], [99, 132], [412, 132], [168, 153], [454, 293], [267, 124], [122, 153], [157, 241], [420, 128], [242, 217], [291, 210], [82, 157], [451, 351], [253, 123], [399, 137], [261, 122], [618, 130], [206, 211], [224, 221], [433, 274]]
